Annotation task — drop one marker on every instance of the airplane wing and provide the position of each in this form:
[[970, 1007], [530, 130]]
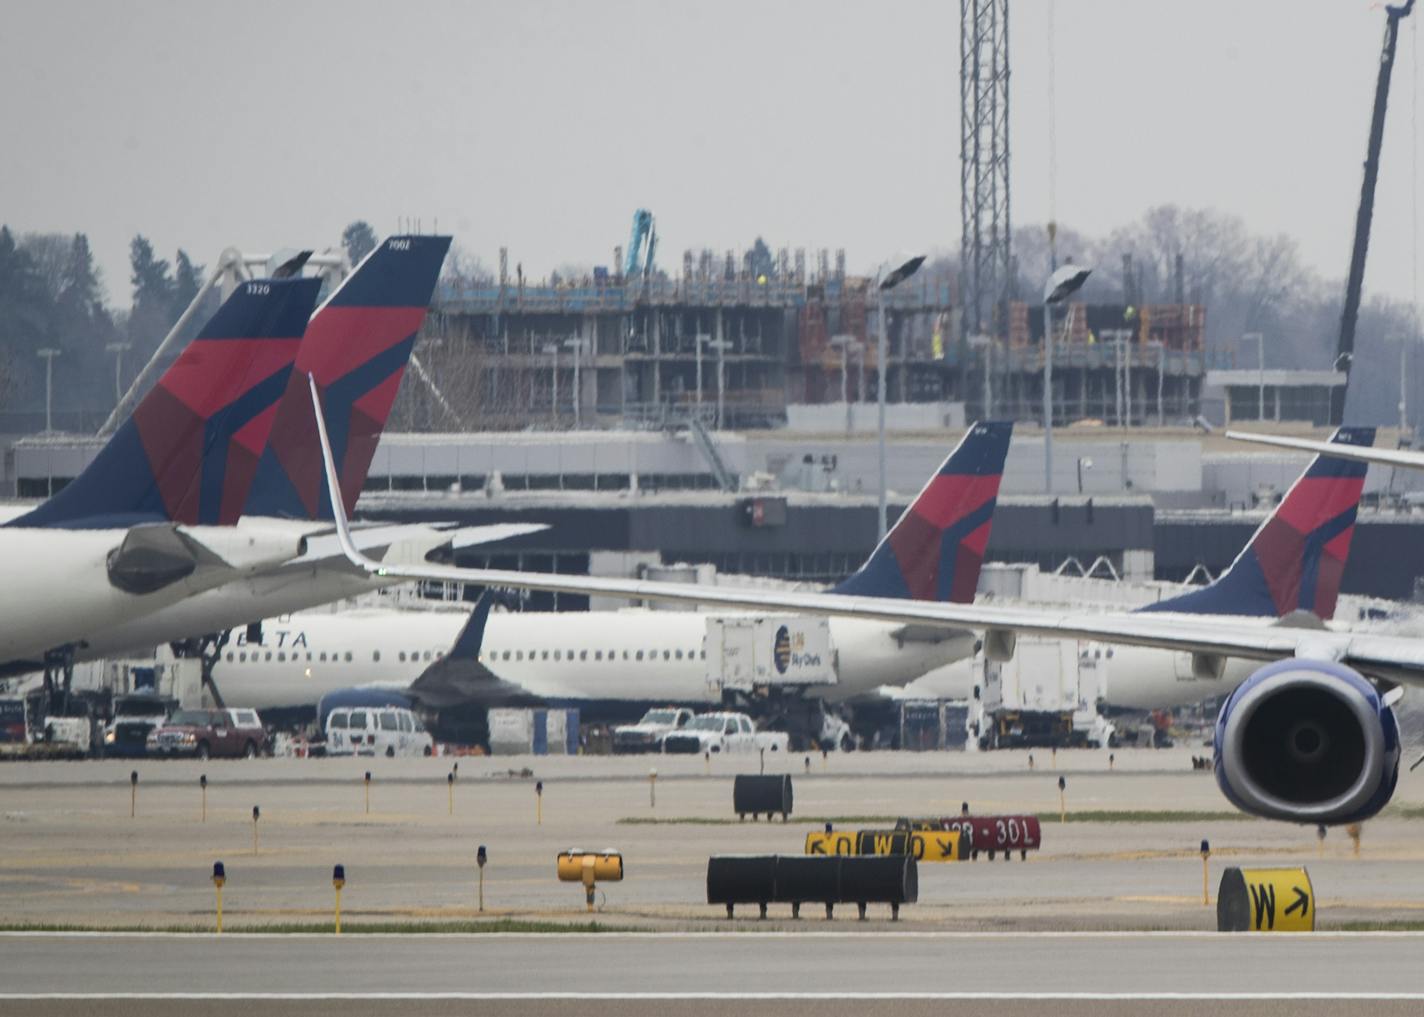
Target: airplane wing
[[1208, 638], [1360, 453], [489, 533], [325, 545]]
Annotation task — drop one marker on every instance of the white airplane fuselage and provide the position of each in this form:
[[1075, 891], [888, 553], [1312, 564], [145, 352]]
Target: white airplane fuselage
[[632, 656], [58, 592], [320, 576]]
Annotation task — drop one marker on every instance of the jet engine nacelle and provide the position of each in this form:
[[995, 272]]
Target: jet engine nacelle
[[1307, 741]]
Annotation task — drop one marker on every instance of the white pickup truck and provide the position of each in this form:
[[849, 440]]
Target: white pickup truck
[[724, 732], [647, 735]]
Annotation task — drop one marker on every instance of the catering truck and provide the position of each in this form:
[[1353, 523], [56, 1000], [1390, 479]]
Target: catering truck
[[1046, 695], [747, 653]]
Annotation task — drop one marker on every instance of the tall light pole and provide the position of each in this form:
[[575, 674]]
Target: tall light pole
[[882, 368], [1061, 285], [552, 349], [118, 350], [721, 346], [577, 345], [1260, 340], [700, 338], [49, 354], [1403, 388], [847, 343]]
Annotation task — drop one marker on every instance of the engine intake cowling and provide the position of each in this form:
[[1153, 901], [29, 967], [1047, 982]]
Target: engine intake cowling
[[1307, 741]]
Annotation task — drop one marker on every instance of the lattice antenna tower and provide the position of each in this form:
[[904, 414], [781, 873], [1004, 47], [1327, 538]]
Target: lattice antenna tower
[[985, 255]]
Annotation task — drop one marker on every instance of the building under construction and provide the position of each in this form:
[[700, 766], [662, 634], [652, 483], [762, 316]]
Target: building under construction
[[732, 344]]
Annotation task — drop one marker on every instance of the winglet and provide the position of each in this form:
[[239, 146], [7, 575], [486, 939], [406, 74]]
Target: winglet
[[333, 487]]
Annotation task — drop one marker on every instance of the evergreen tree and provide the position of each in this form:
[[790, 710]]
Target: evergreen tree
[[79, 285], [152, 313], [187, 280], [359, 240]]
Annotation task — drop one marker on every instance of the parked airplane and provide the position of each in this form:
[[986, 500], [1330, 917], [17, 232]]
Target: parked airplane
[[357, 345], [627, 660], [1307, 738], [1290, 569], [150, 520]]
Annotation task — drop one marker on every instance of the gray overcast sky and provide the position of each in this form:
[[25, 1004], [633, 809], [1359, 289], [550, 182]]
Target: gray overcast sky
[[541, 124]]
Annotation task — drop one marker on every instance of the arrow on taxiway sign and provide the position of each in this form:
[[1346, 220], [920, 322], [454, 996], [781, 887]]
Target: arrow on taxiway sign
[[1301, 902]]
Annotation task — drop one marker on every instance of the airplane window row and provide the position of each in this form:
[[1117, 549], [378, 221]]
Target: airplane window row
[[257, 656], [598, 655]]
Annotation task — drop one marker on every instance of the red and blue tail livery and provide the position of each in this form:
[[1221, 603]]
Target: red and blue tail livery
[[189, 452], [1297, 558], [935, 550], [357, 347]]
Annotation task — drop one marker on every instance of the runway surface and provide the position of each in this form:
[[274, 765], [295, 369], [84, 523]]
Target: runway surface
[[82, 849], [731, 966]]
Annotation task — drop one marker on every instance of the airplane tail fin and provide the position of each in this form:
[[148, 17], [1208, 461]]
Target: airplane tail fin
[[935, 550], [189, 451], [472, 637], [1296, 559], [356, 347]]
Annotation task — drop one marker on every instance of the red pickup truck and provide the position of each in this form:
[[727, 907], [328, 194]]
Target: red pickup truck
[[208, 733]]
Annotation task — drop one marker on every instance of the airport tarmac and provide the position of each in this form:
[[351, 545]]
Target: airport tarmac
[[750, 972], [73, 857]]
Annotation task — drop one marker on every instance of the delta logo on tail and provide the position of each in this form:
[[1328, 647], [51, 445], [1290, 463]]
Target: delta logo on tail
[[935, 550], [357, 347], [190, 450], [1297, 558]]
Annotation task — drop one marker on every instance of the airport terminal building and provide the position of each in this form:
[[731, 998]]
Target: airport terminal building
[[801, 506]]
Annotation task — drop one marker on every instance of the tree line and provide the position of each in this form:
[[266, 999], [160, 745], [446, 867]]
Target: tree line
[[52, 296], [1248, 283]]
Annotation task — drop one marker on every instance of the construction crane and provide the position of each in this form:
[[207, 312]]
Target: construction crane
[[1345, 349], [643, 230]]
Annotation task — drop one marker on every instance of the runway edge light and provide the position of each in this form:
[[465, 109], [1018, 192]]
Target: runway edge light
[[219, 878], [1206, 857], [338, 881], [481, 858]]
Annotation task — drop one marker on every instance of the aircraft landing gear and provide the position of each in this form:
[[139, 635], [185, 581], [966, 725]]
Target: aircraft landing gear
[[808, 723]]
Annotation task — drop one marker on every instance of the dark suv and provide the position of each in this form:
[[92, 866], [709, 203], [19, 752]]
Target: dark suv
[[206, 733]]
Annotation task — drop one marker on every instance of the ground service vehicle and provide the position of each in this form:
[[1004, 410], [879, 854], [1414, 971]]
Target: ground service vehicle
[[388, 731], [134, 718], [209, 733], [724, 733], [647, 735]]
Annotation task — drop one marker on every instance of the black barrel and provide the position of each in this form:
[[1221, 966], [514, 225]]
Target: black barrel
[[755, 794], [741, 879], [879, 879], [808, 879]]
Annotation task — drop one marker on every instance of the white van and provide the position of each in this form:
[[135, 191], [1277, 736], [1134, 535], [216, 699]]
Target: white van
[[376, 731]]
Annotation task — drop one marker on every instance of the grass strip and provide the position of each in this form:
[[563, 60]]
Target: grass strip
[[1046, 818]]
